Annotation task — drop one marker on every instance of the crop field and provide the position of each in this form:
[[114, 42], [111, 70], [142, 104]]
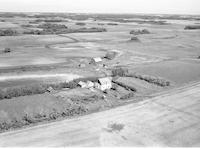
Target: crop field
[[53, 53]]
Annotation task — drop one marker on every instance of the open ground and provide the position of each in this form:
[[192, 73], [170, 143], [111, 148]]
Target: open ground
[[56, 66]]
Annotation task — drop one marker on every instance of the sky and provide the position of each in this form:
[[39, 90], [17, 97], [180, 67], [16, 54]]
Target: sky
[[103, 6]]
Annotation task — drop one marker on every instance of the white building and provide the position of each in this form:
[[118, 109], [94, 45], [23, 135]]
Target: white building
[[95, 60], [82, 84], [105, 83], [89, 84]]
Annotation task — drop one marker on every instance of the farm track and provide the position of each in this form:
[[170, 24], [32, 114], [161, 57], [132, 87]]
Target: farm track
[[74, 40], [35, 76], [170, 118]]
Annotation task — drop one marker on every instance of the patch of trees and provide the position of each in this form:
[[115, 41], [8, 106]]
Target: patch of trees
[[192, 27], [110, 55], [112, 24], [123, 72], [52, 114], [48, 20], [27, 25], [90, 30], [127, 87], [48, 28], [101, 24], [8, 32], [35, 32], [7, 50], [32, 89], [138, 32], [134, 38], [80, 24], [150, 79], [54, 20], [52, 26]]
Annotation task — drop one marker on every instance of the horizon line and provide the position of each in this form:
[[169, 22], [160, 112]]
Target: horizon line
[[126, 13]]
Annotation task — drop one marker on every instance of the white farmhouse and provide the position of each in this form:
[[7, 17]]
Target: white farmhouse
[[105, 83], [89, 84]]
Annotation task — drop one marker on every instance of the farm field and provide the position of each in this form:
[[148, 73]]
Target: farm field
[[55, 66]]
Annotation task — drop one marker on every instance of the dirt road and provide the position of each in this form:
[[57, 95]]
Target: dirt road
[[68, 77], [169, 119]]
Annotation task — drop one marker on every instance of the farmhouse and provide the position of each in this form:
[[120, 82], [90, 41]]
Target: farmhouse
[[104, 84], [89, 84]]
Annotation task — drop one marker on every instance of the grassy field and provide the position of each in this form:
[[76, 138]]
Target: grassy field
[[168, 51]]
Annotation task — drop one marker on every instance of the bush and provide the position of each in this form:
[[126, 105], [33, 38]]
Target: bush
[[80, 24], [8, 32], [125, 86], [75, 109], [90, 30], [34, 32], [26, 25], [119, 72], [101, 24], [17, 91], [33, 89], [192, 27], [134, 39], [138, 32], [48, 28], [53, 20], [112, 24], [127, 96], [114, 86], [110, 55], [151, 79], [52, 26], [7, 50]]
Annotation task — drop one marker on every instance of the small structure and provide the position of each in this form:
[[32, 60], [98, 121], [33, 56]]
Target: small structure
[[82, 65], [7, 50], [50, 90], [134, 38], [105, 66], [104, 84], [96, 60], [82, 84], [89, 84]]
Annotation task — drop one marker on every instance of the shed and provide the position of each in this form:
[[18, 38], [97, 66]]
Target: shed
[[95, 60], [105, 83], [50, 89], [82, 65]]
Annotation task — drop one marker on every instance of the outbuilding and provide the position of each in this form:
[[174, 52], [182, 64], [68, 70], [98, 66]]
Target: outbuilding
[[82, 84], [96, 60]]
